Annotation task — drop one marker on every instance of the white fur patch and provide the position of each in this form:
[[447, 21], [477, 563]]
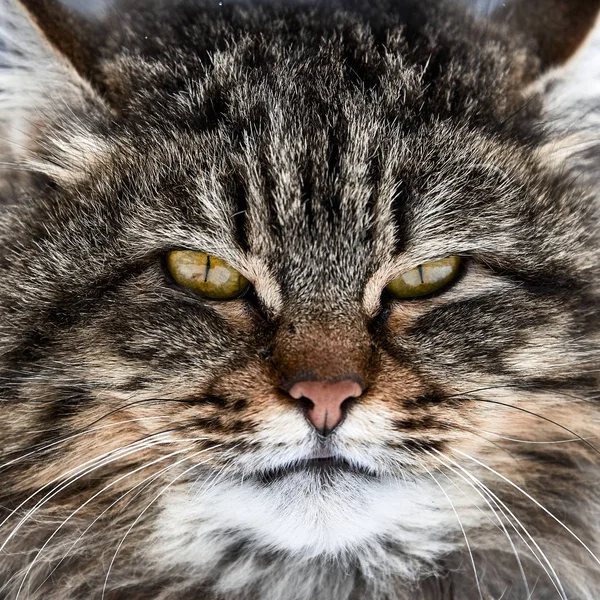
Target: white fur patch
[[310, 518], [303, 521]]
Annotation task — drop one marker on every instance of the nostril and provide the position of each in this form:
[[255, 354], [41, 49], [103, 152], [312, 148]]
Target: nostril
[[305, 403], [347, 403]]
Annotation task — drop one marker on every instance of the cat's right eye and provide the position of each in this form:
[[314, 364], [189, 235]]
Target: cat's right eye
[[206, 275]]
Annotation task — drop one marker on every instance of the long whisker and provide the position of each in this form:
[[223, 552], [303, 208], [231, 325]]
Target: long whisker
[[82, 506], [468, 429], [460, 524], [530, 497], [119, 409], [69, 474], [78, 473], [549, 570], [538, 416], [522, 441], [76, 435], [77, 469], [518, 386], [495, 513], [138, 518], [143, 484], [536, 550]]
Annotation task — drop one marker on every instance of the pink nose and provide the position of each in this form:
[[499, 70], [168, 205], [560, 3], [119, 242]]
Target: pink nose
[[326, 399]]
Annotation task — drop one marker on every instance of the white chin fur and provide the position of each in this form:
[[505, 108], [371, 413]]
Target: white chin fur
[[303, 519]]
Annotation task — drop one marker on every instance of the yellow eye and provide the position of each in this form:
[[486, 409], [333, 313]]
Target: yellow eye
[[205, 275], [426, 278]]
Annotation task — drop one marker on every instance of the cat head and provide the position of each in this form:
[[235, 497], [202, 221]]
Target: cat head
[[282, 258]]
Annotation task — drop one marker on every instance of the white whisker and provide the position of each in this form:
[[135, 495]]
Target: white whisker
[[549, 570], [162, 491], [72, 437], [144, 484], [495, 513], [462, 529], [530, 497], [82, 506], [96, 463], [522, 441]]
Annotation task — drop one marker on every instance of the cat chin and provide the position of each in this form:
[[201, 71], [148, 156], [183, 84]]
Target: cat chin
[[306, 537], [343, 518]]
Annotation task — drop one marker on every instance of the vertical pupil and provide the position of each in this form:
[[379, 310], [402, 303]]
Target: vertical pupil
[[207, 269]]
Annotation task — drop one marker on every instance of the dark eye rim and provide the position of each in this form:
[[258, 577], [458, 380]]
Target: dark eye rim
[[172, 283], [388, 298]]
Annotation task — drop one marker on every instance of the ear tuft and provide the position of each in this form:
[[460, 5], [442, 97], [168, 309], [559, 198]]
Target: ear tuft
[[571, 114], [43, 76], [555, 28], [67, 33]]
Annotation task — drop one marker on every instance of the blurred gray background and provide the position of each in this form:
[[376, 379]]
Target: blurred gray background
[[99, 6], [91, 6]]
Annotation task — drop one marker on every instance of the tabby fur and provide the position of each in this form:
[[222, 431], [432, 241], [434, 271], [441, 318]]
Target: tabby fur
[[149, 449]]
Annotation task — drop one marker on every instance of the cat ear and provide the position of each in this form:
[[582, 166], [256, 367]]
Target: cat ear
[[47, 69], [562, 31], [66, 32], [555, 28]]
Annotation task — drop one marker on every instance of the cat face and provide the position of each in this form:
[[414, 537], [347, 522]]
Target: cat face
[[316, 414]]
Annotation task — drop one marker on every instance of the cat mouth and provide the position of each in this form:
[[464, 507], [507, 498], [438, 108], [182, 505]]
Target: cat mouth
[[327, 467]]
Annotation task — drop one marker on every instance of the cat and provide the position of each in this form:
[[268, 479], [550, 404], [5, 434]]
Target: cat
[[299, 301]]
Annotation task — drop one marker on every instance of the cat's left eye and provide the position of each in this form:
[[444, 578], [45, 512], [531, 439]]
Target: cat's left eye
[[206, 275], [425, 279]]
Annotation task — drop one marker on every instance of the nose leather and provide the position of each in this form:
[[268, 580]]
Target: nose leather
[[325, 411]]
